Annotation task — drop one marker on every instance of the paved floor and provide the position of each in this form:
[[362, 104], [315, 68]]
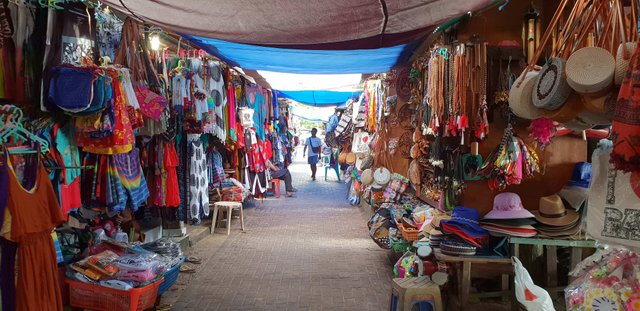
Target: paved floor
[[311, 252]]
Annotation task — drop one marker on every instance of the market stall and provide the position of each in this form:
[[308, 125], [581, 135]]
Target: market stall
[[480, 150], [109, 126]]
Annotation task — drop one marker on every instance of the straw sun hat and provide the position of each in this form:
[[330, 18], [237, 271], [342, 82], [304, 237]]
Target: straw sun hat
[[367, 177], [350, 158]]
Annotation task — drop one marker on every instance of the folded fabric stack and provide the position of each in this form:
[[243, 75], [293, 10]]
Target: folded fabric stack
[[233, 193], [509, 217], [556, 221], [464, 224]]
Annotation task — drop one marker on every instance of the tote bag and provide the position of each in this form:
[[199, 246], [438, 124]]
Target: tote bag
[[360, 143], [613, 213]]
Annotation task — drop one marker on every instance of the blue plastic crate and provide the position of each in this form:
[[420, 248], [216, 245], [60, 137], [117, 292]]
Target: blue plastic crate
[[170, 277]]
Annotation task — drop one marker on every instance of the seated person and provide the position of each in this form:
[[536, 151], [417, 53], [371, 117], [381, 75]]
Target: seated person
[[282, 174]]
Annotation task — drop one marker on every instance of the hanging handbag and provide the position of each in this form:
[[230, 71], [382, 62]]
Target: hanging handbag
[[361, 142], [614, 202]]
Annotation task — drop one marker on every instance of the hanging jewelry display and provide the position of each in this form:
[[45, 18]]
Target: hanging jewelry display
[[512, 161]]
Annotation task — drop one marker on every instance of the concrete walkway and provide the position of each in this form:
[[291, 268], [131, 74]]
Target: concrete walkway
[[311, 252]]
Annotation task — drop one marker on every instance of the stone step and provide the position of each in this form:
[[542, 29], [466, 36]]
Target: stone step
[[183, 240], [197, 233]]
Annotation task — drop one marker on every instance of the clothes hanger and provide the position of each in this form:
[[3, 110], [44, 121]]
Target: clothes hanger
[[12, 127]]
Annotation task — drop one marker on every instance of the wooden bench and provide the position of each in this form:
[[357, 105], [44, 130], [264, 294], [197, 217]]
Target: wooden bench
[[551, 257], [464, 272]]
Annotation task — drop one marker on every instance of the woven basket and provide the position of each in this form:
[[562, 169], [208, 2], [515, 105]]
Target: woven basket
[[367, 177], [520, 98], [590, 70], [622, 63], [551, 89], [408, 234]]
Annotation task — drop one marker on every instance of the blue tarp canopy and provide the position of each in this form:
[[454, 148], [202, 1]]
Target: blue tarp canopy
[[319, 98], [305, 61]]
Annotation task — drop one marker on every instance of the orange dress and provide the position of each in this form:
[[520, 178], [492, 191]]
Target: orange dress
[[34, 213]]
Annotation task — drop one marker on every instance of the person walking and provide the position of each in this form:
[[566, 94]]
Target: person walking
[[314, 145]]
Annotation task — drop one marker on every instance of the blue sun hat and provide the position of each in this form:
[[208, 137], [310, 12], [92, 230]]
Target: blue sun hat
[[467, 220]]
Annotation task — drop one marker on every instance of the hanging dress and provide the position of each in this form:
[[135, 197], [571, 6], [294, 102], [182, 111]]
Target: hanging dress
[[37, 286], [198, 182]]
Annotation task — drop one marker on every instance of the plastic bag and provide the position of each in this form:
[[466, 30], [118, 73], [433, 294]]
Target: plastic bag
[[608, 280], [531, 296]]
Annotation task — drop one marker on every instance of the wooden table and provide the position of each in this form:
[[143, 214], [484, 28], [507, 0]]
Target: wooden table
[[551, 256], [496, 265]]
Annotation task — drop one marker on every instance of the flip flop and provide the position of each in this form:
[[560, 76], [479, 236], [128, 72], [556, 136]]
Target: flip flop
[[187, 269], [194, 260], [166, 307]]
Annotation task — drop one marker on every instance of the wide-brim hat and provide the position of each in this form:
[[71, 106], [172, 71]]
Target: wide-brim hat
[[467, 220], [520, 97], [366, 177], [590, 70], [342, 158], [507, 205], [510, 222], [382, 176], [551, 89], [522, 231], [551, 211], [436, 218], [564, 231], [350, 158]]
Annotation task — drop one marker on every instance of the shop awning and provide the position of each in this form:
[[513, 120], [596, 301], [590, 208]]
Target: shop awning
[[329, 24], [304, 61], [319, 98]]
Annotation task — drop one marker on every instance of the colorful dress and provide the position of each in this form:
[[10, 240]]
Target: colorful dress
[[35, 212]]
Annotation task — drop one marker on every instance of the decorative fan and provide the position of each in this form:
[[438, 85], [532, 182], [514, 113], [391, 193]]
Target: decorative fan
[[404, 145], [393, 120], [403, 84], [405, 115]]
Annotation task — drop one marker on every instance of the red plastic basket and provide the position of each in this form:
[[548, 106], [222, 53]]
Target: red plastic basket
[[100, 298]]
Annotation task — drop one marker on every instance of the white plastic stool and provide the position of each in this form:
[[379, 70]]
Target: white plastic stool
[[230, 206]]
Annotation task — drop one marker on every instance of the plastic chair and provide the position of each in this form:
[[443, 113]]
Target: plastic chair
[[275, 186], [326, 162], [230, 206]]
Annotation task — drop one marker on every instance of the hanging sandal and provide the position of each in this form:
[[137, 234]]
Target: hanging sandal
[[187, 269], [194, 260]]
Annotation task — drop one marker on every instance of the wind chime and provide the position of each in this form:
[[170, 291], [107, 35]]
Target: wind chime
[[531, 32]]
